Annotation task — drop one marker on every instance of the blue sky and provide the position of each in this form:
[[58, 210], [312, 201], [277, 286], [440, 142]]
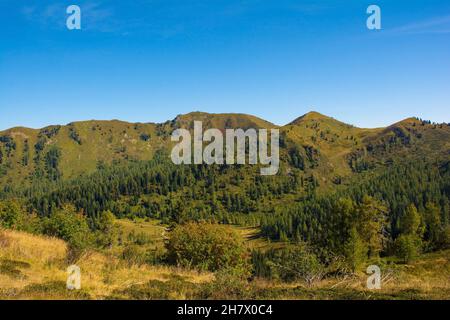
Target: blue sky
[[148, 61]]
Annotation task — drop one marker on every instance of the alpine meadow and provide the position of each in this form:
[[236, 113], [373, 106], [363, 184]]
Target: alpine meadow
[[105, 196]]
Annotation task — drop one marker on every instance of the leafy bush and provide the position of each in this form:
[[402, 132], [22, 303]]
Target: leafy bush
[[207, 247], [14, 216], [70, 226], [296, 262], [10, 214]]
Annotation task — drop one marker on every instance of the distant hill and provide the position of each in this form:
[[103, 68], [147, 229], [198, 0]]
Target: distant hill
[[314, 142]]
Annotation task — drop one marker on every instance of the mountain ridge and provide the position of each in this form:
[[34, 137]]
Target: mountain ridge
[[313, 142], [311, 115]]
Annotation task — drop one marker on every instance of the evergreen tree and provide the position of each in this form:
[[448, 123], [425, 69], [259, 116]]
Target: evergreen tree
[[355, 250]]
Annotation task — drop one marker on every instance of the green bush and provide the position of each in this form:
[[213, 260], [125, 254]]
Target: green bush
[[296, 262], [11, 214], [105, 231], [70, 226], [207, 247], [14, 216]]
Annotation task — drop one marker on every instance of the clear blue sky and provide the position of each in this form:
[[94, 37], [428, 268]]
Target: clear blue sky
[[151, 60]]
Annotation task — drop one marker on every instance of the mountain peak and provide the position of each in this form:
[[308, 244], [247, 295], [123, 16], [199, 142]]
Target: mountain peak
[[312, 116]]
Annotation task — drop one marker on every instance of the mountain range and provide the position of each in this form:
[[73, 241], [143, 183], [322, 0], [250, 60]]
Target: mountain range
[[315, 143]]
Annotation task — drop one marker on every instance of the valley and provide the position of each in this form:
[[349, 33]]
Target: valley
[[105, 195]]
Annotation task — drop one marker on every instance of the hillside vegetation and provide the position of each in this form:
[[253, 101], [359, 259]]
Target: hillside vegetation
[[331, 149], [344, 198]]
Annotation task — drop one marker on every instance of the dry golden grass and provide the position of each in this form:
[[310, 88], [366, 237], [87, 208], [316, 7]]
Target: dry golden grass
[[29, 247], [34, 267], [42, 260], [45, 255], [426, 278]]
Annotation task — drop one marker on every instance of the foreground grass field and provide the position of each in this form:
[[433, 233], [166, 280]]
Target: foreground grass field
[[34, 267]]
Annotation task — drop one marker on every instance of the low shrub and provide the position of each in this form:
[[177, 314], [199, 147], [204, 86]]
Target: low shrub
[[71, 226], [207, 247], [292, 263]]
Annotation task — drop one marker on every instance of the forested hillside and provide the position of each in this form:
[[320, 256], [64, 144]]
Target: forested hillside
[[342, 193]]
